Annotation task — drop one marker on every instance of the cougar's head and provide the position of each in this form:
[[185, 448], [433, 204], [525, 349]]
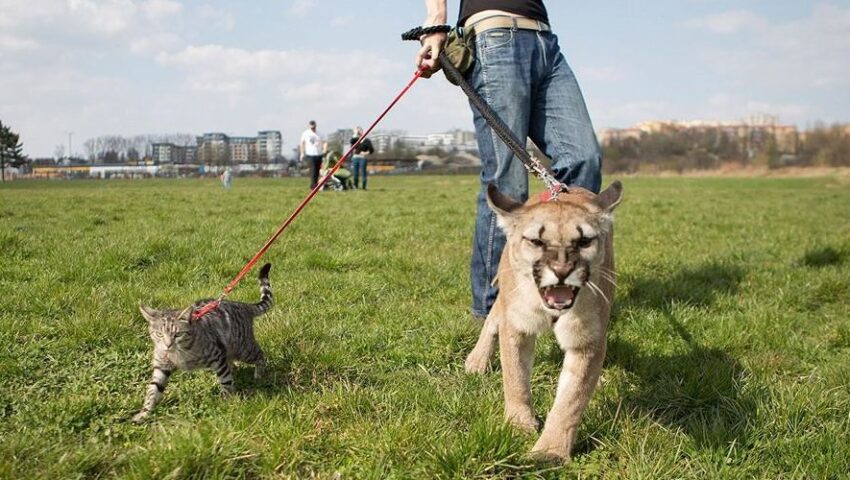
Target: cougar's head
[[559, 243]]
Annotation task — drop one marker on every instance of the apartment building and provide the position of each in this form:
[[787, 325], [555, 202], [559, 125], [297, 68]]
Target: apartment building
[[269, 145], [220, 149]]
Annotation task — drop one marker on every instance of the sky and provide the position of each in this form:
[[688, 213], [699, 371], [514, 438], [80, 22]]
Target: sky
[[130, 67]]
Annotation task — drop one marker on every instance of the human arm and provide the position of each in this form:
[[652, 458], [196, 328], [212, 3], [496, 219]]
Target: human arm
[[433, 43]]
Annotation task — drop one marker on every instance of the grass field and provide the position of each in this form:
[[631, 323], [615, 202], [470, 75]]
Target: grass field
[[729, 351]]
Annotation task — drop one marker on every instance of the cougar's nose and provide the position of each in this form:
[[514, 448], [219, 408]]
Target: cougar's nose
[[561, 269]]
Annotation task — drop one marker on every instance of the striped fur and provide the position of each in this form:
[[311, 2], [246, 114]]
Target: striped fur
[[214, 341]]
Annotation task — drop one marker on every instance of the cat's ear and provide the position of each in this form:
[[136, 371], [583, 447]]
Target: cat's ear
[[150, 314], [186, 314]]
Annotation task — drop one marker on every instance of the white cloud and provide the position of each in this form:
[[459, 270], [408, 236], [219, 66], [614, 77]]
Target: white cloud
[[155, 43], [809, 52], [108, 16], [156, 9], [11, 42], [263, 65], [300, 8], [216, 17], [14, 13]]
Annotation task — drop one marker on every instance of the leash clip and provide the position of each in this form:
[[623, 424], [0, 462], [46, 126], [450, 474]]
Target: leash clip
[[553, 186]]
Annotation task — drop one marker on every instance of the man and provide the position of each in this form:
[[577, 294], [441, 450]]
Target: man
[[521, 73], [312, 148], [360, 156]]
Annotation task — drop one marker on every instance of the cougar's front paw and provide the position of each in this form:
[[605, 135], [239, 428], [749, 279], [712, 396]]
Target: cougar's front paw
[[477, 363], [523, 420], [548, 449]]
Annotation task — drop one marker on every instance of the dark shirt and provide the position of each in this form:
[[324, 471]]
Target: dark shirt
[[365, 145], [533, 9]]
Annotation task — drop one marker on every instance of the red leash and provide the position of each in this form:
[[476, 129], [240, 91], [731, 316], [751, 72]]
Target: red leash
[[230, 286]]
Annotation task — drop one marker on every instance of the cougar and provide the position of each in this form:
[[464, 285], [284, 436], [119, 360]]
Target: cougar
[[556, 273]]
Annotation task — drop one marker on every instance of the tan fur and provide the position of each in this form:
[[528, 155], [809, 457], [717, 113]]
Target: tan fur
[[521, 313]]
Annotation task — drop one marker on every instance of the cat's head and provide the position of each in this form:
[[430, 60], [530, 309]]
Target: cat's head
[[168, 327]]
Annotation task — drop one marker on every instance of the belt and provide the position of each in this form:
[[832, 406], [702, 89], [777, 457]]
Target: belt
[[504, 21]]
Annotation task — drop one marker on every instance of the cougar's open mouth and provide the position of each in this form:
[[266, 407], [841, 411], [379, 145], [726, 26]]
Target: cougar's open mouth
[[559, 297]]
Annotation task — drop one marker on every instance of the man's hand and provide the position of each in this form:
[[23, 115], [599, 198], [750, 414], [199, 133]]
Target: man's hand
[[426, 57]]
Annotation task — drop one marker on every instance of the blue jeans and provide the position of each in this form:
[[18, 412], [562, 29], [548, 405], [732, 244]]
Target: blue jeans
[[525, 79], [359, 165]]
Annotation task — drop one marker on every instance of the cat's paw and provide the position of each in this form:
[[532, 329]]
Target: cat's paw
[[140, 417], [228, 391]]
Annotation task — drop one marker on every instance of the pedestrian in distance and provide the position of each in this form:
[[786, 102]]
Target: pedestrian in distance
[[312, 149], [226, 178], [521, 72], [360, 157]]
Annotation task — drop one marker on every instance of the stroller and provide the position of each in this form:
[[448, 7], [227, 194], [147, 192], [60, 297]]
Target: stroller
[[341, 180]]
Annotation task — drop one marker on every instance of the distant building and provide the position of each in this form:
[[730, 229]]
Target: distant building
[[168, 153], [269, 146], [219, 149], [243, 149], [213, 149]]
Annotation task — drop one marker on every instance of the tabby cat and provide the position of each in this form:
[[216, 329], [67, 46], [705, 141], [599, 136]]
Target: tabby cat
[[214, 341]]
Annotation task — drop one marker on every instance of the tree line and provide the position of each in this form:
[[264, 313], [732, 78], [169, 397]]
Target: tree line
[[119, 149], [706, 149]]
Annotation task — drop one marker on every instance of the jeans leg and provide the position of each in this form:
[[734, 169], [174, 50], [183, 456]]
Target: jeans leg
[[560, 124], [364, 164], [501, 77]]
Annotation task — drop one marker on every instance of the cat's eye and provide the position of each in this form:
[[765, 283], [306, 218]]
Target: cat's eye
[[536, 242], [585, 242]]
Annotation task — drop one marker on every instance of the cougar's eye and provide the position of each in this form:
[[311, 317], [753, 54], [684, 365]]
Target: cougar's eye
[[585, 242], [536, 242]]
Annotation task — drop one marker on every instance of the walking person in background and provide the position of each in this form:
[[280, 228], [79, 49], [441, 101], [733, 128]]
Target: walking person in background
[[226, 178], [520, 71], [312, 149], [360, 157]]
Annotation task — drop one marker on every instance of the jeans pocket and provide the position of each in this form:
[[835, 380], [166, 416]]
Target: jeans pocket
[[495, 38]]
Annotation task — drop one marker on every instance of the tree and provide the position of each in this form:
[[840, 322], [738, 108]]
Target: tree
[[11, 150]]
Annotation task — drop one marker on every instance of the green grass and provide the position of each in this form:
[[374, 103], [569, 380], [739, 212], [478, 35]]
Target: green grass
[[729, 349]]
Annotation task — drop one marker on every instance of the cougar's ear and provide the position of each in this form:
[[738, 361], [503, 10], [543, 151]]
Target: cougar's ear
[[150, 314], [611, 197], [502, 205], [499, 202]]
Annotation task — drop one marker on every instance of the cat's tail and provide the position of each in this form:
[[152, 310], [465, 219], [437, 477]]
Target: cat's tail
[[266, 299]]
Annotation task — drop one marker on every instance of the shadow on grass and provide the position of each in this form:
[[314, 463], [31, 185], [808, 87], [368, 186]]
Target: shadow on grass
[[822, 257], [698, 391], [302, 372]]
